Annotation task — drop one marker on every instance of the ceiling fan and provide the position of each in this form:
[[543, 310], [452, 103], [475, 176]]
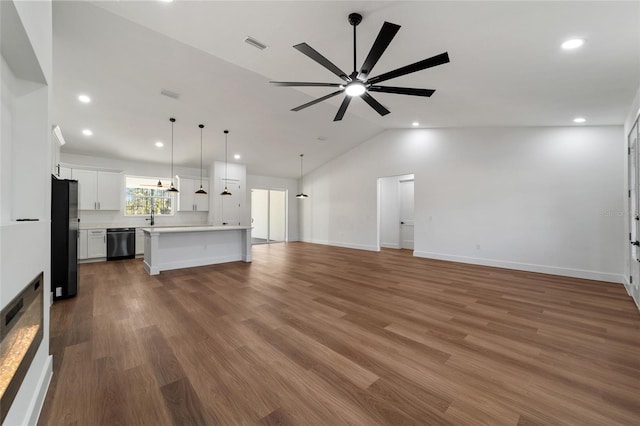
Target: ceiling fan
[[358, 83]]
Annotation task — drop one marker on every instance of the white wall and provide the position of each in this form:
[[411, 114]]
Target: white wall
[[293, 203], [131, 168], [540, 199], [25, 152]]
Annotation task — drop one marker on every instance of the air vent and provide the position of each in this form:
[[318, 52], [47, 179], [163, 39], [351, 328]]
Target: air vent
[[170, 94], [255, 43]]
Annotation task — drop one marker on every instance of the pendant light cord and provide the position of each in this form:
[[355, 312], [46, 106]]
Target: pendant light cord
[[173, 120], [226, 146], [201, 127], [301, 175]]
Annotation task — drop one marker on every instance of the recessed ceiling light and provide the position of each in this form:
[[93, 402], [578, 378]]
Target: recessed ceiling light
[[237, 156], [87, 132], [572, 44], [84, 99], [159, 144], [579, 120], [165, 1], [415, 124]]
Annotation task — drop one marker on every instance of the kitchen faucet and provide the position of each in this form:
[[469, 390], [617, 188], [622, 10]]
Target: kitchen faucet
[[152, 221]]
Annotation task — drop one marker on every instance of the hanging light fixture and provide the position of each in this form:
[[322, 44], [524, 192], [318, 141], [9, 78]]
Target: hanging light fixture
[[301, 194], [226, 144], [171, 187], [159, 185], [201, 191]]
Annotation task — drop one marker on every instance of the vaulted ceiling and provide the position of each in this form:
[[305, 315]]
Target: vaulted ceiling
[[507, 69]]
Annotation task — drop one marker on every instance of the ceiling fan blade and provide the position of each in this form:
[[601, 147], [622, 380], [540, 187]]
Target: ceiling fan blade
[[302, 83], [315, 101], [402, 90], [440, 59], [375, 104], [342, 109], [386, 34], [313, 54]]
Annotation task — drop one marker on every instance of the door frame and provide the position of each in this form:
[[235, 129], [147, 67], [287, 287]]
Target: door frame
[[379, 184], [286, 211]]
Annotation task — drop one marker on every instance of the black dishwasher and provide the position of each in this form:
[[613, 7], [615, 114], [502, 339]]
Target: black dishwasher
[[121, 243]]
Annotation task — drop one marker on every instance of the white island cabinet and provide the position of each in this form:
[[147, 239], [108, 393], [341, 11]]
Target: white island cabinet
[[189, 246]]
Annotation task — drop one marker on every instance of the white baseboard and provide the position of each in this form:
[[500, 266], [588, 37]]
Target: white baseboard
[[544, 269], [35, 406], [390, 245], [344, 245]]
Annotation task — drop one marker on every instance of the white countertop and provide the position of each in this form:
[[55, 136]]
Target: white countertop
[[120, 225], [202, 228]]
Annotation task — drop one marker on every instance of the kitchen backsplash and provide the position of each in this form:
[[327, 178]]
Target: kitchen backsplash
[[117, 218]]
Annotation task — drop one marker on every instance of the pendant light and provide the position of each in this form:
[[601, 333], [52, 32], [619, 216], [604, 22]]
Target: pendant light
[[159, 184], [301, 194], [201, 191], [226, 144], [171, 187]]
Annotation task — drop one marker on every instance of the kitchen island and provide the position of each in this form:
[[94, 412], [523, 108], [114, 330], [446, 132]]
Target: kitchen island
[[189, 246]]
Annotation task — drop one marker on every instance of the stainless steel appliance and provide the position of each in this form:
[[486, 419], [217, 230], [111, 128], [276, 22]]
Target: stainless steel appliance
[[121, 243], [64, 238]]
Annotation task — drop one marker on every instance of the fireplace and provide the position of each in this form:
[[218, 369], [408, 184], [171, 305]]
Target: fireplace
[[21, 328]]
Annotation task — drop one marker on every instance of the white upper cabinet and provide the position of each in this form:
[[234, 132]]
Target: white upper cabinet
[[99, 190], [64, 172], [188, 200]]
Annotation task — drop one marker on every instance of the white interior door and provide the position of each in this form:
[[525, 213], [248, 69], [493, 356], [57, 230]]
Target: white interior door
[[277, 215], [406, 214], [260, 215], [634, 210]]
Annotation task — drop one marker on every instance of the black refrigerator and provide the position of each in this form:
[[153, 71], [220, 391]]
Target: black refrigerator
[[64, 238]]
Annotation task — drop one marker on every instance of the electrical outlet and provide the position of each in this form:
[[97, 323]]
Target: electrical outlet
[[58, 291]]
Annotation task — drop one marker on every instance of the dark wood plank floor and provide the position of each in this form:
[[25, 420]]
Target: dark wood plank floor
[[316, 335]]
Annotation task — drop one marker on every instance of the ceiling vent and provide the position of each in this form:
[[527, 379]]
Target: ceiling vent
[[170, 94], [255, 43]]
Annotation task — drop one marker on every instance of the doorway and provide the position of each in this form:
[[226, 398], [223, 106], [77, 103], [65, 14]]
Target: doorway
[[396, 205], [268, 216]]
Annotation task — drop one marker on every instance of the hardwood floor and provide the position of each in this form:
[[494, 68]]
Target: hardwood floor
[[317, 335]]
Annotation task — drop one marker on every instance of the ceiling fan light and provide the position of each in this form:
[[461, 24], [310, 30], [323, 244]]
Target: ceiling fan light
[[355, 88]]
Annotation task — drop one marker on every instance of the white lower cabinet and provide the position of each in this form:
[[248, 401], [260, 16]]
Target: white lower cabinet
[[82, 244], [139, 241], [96, 243]]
